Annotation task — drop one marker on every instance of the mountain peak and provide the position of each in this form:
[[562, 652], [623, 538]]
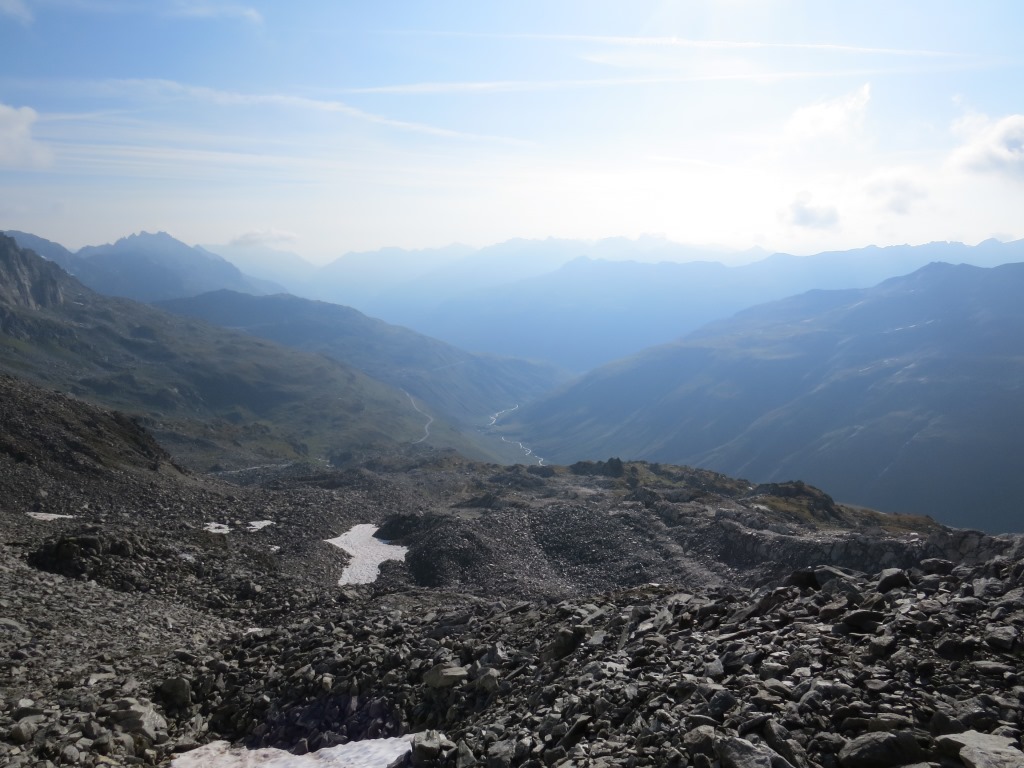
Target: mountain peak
[[27, 280]]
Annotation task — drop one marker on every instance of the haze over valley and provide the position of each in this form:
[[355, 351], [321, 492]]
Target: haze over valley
[[900, 395], [543, 385]]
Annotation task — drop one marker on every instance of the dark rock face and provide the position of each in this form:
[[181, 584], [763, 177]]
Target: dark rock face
[[26, 281]]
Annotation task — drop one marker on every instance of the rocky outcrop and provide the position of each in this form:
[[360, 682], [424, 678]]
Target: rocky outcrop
[[27, 281], [831, 668]]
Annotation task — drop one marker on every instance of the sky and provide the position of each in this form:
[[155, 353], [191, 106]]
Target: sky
[[322, 127]]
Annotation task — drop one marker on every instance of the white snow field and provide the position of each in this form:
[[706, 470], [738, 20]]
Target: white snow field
[[367, 554], [370, 753]]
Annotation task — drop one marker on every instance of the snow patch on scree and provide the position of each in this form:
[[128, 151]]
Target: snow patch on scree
[[367, 554], [48, 516], [371, 753]]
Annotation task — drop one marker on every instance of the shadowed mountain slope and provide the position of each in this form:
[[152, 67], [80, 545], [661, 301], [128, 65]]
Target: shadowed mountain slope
[[906, 396], [462, 386], [205, 392]]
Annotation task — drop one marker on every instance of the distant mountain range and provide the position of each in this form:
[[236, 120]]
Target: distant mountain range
[[394, 282], [574, 304], [147, 267], [578, 304], [590, 312], [902, 395], [906, 396]]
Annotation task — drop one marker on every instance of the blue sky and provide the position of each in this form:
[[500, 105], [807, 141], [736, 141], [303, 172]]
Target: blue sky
[[324, 127]]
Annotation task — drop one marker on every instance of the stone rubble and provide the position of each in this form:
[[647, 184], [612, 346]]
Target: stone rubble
[[605, 614], [825, 669]]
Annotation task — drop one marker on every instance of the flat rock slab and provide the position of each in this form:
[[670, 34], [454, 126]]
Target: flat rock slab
[[982, 750]]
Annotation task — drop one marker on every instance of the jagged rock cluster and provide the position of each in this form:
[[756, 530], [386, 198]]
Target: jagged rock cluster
[[831, 668]]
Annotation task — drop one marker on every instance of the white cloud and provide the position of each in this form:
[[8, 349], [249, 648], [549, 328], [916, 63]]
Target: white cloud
[[18, 149], [992, 147], [801, 213], [840, 117], [16, 9], [895, 192], [265, 237]]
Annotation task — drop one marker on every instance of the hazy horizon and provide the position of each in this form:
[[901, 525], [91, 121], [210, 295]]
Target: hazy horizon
[[701, 252], [794, 127]]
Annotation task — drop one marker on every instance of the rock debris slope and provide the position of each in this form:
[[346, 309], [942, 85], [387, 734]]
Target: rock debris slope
[[831, 667], [608, 613]]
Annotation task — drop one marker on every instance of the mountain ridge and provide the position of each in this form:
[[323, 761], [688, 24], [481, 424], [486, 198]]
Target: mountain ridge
[[465, 387], [205, 392], [900, 396], [146, 266]]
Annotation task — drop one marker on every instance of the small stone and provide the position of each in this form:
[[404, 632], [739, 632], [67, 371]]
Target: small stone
[[70, 754], [892, 578], [176, 691], [23, 731]]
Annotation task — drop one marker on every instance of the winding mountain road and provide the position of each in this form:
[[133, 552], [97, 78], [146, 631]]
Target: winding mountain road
[[430, 419], [499, 414], [523, 448]]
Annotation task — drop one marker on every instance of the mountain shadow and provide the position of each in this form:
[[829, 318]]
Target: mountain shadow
[[905, 397], [463, 387], [205, 392]]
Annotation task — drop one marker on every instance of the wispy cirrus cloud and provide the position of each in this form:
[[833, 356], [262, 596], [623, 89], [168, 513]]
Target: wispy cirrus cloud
[[507, 86], [663, 41], [171, 88], [198, 9], [205, 10], [16, 9]]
